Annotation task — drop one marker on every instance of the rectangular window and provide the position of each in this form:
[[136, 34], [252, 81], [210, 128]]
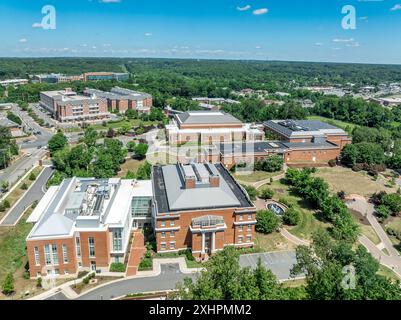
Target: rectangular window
[[163, 223], [91, 241], [163, 235], [241, 228], [65, 254], [248, 238], [54, 254], [240, 239], [78, 246], [163, 246], [241, 217], [249, 228], [172, 223], [172, 245], [172, 234], [249, 217], [117, 240], [37, 257], [48, 258]]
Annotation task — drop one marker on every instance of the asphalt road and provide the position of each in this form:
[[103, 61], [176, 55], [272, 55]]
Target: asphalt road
[[21, 166], [36, 192], [279, 262], [41, 139], [167, 280]]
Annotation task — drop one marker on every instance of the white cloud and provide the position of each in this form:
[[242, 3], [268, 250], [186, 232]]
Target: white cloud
[[110, 1], [258, 47], [246, 8], [37, 25], [396, 7], [23, 40], [260, 11], [353, 44], [318, 44], [148, 34], [343, 40]]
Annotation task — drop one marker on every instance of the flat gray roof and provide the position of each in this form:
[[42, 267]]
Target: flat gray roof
[[171, 195], [290, 128], [206, 117]]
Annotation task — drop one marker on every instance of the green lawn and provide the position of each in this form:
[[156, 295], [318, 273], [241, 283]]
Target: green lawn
[[119, 124], [308, 223], [351, 182], [341, 124], [130, 165], [388, 273], [255, 176], [272, 242], [17, 193]]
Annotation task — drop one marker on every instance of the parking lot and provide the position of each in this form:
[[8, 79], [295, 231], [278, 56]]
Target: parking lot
[[280, 263]]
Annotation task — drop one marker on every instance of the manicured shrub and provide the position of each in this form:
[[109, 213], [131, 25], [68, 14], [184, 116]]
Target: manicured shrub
[[32, 176], [332, 163], [24, 186], [39, 282], [266, 193], [117, 267]]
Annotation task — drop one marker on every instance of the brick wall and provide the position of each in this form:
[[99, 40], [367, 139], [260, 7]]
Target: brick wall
[[70, 267]]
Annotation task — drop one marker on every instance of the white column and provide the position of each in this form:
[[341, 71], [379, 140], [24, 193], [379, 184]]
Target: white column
[[213, 241], [203, 243]]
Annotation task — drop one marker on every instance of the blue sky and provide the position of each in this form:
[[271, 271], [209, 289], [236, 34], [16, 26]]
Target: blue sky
[[307, 30]]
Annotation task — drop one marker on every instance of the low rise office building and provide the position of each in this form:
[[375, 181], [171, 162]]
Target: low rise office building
[[86, 224], [121, 100], [99, 76], [208, 127], [202, 208], [68, 106]]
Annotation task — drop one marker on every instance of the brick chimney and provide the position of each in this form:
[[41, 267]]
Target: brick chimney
[[214, 181], [190, 182]]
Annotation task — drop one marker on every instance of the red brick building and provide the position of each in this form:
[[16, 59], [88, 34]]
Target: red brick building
[[67, 106], [121, 100], [202, 208]]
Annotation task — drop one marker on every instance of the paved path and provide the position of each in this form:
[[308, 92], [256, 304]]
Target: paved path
[[170, 275], [393, 260], [294, 239], [367, 209], [35, 192], [165, 276], [137, 251]]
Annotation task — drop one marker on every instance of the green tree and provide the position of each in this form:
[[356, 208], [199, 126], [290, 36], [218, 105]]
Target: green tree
[[252, 192], [266, 193], [267, 221], [131, 114], [291, 217], [32, 176], [90, 137], [144, 171], [392, 202], [8, 284], [140, 150], [57, 142]]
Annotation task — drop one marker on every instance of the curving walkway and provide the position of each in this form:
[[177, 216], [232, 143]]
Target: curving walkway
[[294, 239]]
